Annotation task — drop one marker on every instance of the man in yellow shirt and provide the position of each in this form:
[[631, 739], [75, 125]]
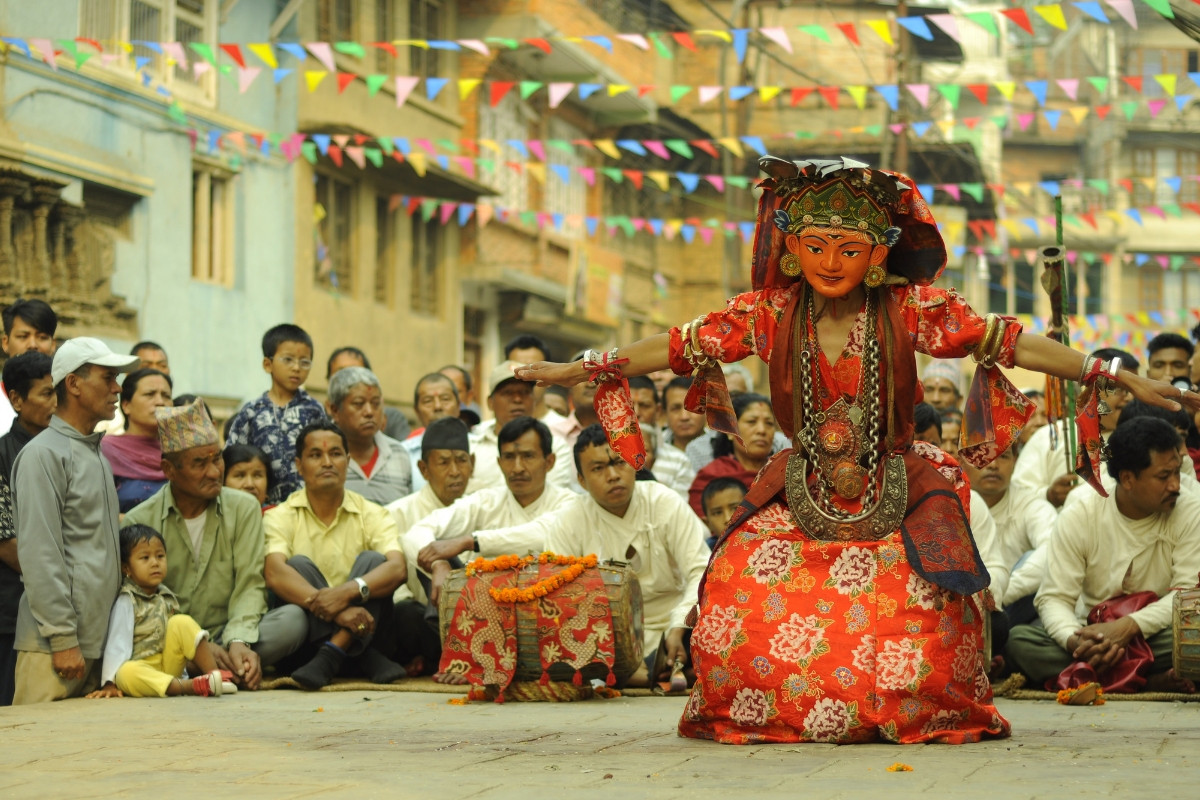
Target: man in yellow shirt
[[337, 556]]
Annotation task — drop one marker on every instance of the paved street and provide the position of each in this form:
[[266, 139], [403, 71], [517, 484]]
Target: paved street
[[289, 744]]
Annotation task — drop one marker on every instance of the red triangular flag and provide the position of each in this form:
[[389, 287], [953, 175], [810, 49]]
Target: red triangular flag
[[685, 40], [830, 93], [799, 93], [850, 31], [635, 177], [335, 154], [1090, 219], [706, 146], [644, 90], [1102, 111], [1126, 184], [235, 53], [1193, 207], [497, 91], [1135, 81], [980, 90], [989, 225], [540, 44], [1019, 16], [344, 80], [970, 122]]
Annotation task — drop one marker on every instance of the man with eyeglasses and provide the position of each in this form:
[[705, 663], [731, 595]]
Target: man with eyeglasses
[[272, 422], [1042, 466]]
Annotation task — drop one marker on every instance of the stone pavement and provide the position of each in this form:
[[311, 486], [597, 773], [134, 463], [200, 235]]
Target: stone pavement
[[289, 744]]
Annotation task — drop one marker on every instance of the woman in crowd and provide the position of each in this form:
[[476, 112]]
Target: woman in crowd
[[835, 607], [135, 456], [247, 468], [741, 456]]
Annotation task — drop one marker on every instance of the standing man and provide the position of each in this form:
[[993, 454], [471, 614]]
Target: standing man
[[67, 530], [435, 398], [380, 469], [466, 393], [397, 425], [28, 325]]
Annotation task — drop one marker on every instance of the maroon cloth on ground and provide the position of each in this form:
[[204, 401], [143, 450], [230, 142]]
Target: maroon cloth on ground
[[1129, 674]]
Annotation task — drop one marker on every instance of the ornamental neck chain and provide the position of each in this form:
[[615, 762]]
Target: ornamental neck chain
[[841, 442]]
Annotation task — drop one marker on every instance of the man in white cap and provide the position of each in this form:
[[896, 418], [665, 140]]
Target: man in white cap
[[67, 530], [509, 398]]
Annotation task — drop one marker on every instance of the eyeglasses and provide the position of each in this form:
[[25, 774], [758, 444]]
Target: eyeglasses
[[289, 361]]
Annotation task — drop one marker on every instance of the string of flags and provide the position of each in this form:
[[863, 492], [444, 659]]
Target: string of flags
[[1131, 331], [405, 86], [664, 44]]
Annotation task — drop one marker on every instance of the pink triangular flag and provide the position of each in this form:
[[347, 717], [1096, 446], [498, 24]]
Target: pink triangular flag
[[1070, 86], [706, 235], [589, 175], [341, 140], [467, 165], [710, 93], [404, 87], [948, 23], [198, 68], [778, 36], [355, 154], [635, 39], [483, 213], [108, 58], [1155, 106], [176, 52], [1024, 120], [896, 128], [558, 92], [1125, 9], [536, 148], [717, 181], [952, 190], [919, 91], [476, 45], [658, 148], [246, 77], [46, 48], [324, 53], [447, 211]]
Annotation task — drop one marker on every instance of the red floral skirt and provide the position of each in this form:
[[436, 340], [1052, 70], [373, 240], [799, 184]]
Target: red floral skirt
[[807, 641]]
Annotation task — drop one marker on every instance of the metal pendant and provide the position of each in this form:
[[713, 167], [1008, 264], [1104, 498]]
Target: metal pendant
[[877, 522]]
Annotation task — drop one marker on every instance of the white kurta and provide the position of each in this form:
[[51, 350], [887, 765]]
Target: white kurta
[[660, 537], [495, 518], [408, 511], [1024, 523], [983, 530], [1098, 553], [485, 446], [673, 470]]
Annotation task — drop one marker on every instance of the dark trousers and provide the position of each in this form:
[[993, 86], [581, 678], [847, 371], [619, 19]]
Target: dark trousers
[[380, 608], [416, 635], [1039, 657], [1021, 611], [8, 666]]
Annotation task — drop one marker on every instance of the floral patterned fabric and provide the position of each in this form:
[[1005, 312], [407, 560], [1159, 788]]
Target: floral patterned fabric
[[807, 641], [274, 430]]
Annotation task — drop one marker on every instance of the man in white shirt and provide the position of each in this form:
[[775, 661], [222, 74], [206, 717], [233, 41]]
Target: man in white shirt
[[509, 398], [434, 398], [1024, 522], [1145, 536], [446, 463], [1042, 464], [488, 521]]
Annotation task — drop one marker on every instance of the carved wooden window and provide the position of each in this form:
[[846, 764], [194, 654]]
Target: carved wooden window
[[385, 249], [212, 225], [334, 213], [425, 276]]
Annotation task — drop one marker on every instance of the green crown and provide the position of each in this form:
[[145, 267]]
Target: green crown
[[836, 204]]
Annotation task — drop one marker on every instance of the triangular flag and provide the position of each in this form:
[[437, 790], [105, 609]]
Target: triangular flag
[[1006, 88], [1125, 9], [916, 26], [374, 83], [830, 93], [615, 89], [1053, 15], [799, 93], [733, 145], [680, 147], [817, 31], [279, 74], [635, 39], [246, 77], [353, 49], [1052, 118], [529, 87], [265, 54], [558, 92], [1093, 10], [741, 38], [586, 90], [1167, 82], [709, 93], [768, 93], [684, 40], [314, 78], [1129, 109], [1024, 120], [1156, 107], [344, 79], [1162, 7], [1181, 101], [356, 155], [980, 90], [951, 92], [466, 86], [1134, 82], [919, 128], [1038, 88], [1102, 111], [497, 90], [882, 29], [434, 86], [1078, 113], [985, 20], [859, 94], [947, 23], [322, 52], [1070, 87], [919, 91], [235, 53], [850, 32], [1020, 18], [778, 36], [404, 87]]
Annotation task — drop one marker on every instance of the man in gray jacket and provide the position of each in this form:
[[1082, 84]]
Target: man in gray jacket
[[67, 530]]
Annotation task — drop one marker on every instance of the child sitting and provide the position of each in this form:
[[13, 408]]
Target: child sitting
[[149, 642], [246, 468], [271, 422], [720, 499]]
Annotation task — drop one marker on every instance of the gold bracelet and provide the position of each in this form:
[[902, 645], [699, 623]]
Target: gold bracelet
[[987, 352], [693, 350]]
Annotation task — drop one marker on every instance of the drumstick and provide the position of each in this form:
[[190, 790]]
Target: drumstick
[[678, 679]]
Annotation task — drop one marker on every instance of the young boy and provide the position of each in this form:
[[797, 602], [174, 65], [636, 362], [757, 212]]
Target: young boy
[[149, 641], [272, 422], [30, 390], [721, 498]]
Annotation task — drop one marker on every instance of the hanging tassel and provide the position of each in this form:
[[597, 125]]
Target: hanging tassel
[[545, 679], [578, 678], [500, 696], [611, 680]]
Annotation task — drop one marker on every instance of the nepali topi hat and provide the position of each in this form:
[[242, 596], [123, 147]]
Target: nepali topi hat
[[184, 427]]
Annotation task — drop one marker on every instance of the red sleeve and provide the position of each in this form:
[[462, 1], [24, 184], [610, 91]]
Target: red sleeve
[[943, 325], [745, 327]]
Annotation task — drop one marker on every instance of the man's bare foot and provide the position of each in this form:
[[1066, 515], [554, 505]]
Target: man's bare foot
[[450, 678], [639, 679], [1169, 682]]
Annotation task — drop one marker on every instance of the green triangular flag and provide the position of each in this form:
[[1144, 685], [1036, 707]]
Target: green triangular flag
[[511, 44], [374, 156], [1000, 121], [973, 189], [275, 139], [528, 218], [678, 92], [350, 48], [985, 20], [627, 226], [487, 163], [235, 162], [874, 130], [680, 147], [1099, 184], [661, 47], [309, 151], [1173, 210], [1099, 83], [529, 87], [447, 144], [950, 91], [1176, 262], [1129, 109], [1071, 219], [225, 69], [175, 112], [374, 82], [614, 174], [562, 144], [204, 51], [386, 144], [817, 31], [428, 209], [81, 59], [1161, 6], [740, 181]]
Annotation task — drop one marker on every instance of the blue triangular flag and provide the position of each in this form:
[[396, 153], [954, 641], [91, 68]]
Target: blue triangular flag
[[603, 41], [1051, 188], [689, 181], [1039, 90], [434, 85], [442, 44], [755, 143], [464, 213], [322, 142], [590, 223], [140, 61], [402, 144], [1135, 215], [280, 74], [919, 128], [443, 162], [747, 229], [926, 191], [519, 146], [294, 48], [586, 90], [557, 217], [1182, 100], [1175, 182], [890, 93], [917, 26], [740, 92], [741, 37], [562, 171], [1093, 10], [689, 233], [1140, 258], [632, 145], [656, 225], [1052, 118], [214, 141]]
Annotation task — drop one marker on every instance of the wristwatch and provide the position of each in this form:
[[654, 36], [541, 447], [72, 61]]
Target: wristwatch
[[364, 591]]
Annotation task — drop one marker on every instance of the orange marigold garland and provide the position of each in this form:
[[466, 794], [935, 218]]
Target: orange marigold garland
[[574, 567]]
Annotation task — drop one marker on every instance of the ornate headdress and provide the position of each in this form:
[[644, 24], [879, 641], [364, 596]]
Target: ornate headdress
[[847, 194]]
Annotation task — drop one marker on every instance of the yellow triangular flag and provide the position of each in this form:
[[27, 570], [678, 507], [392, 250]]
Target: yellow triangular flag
[[1012, 226], [126, 46], [607, 147], [953, 229], [537, 170], [1149, 183], [265, 54], [1053, 15], [859, 93], [724, 36], [1023, 187], [881, 28], [768, 93], [1005, 88], [857, 129], [615, 89], [946, 125], [732, 144], [466, 86], [661, 177], [418, 161], [1167, 82], [1116, 216], [491, 144], [313, 79], [1078, 113]]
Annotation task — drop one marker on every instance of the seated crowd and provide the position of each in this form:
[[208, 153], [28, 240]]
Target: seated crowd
[[317, 539]]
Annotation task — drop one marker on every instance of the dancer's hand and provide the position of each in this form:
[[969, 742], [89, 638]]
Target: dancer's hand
[[550, 373]]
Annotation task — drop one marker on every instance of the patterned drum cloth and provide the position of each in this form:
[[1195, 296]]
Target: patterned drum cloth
[[806, 641]]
